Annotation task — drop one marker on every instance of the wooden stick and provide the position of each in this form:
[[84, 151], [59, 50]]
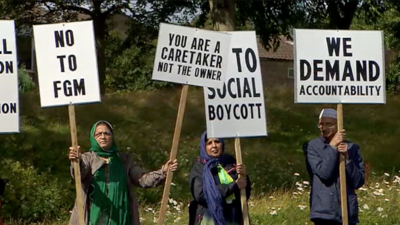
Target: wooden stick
[[174, 151], [243, 195], [342, 170], [77, 172]]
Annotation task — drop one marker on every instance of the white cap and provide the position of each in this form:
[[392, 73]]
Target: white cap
[[328, 113]]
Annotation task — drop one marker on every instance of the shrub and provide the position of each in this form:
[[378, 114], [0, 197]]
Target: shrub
[[25, 83], [131, 68], [31, 196], [393, 76]]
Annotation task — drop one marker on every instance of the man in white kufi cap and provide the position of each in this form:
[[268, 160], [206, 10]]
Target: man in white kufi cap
[[322, 161]]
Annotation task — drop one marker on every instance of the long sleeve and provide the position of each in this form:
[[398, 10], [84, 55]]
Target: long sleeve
[[145, 179], [198, 193], [248, 189], [323, 161], [84, 166], [354, 167]]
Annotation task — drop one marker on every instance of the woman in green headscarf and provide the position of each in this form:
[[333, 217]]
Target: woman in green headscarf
[[108, 178]]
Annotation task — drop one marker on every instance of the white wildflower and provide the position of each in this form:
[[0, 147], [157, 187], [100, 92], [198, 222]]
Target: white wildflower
[[302, 207], [273, 212]]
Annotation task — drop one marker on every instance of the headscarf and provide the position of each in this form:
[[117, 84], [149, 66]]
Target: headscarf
[[109, 205], [211, 192]]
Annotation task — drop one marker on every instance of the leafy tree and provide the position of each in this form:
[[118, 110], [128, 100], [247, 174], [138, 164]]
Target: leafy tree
[[390, 23], [271, 19], [130, 64], [145, 12]]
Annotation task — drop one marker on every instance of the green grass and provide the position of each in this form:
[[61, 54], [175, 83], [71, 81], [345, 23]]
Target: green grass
[[144, 124], [378, 203]]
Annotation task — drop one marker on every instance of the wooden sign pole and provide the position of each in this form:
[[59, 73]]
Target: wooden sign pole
[[174, 152], [243, 195], [77, 172], [342, 170], [230, 27]]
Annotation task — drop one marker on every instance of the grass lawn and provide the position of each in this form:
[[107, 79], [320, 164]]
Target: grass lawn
[[35, 161]]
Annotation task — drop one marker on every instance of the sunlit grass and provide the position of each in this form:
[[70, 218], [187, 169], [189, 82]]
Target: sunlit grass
[[378, 204], [144, 123]]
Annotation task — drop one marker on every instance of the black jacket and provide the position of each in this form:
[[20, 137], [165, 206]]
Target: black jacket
[[198, 210]]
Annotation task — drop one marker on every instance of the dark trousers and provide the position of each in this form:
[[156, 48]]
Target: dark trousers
[[327, 222]]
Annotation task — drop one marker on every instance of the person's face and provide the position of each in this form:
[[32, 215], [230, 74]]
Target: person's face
[[327, 126], [214, 147], [103, 136]]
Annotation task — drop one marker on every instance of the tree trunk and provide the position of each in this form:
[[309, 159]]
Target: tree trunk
[[223, 18], [100, 32], [99, 25], [223, 14], [35, 75], [336, 20]]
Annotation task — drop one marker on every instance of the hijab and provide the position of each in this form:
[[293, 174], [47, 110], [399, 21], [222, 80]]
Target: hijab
[[210, 189]]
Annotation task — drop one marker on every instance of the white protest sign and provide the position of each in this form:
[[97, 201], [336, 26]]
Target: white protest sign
[[9, 98], [339, 66], [238, 108], [66, 63], [191, 56]]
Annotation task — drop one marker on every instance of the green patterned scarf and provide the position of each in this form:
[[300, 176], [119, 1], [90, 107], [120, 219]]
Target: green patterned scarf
[[110, 206]]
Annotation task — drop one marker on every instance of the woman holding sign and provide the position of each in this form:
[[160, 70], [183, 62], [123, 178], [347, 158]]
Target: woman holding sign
[[215, 186], [108, 177]]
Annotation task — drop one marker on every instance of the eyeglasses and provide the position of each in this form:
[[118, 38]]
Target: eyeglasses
[[327, 125], [107, 134]]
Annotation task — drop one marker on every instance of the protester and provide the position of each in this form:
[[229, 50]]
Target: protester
[[2, 189], [108, 177], [322, 161], [215, 186]]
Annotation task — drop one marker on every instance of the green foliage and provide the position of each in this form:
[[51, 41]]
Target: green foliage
[[339, 14], [391, 27], [130, 69], [393, 77], [272, 19], [31, 196], [389, 22], [25, 83]]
